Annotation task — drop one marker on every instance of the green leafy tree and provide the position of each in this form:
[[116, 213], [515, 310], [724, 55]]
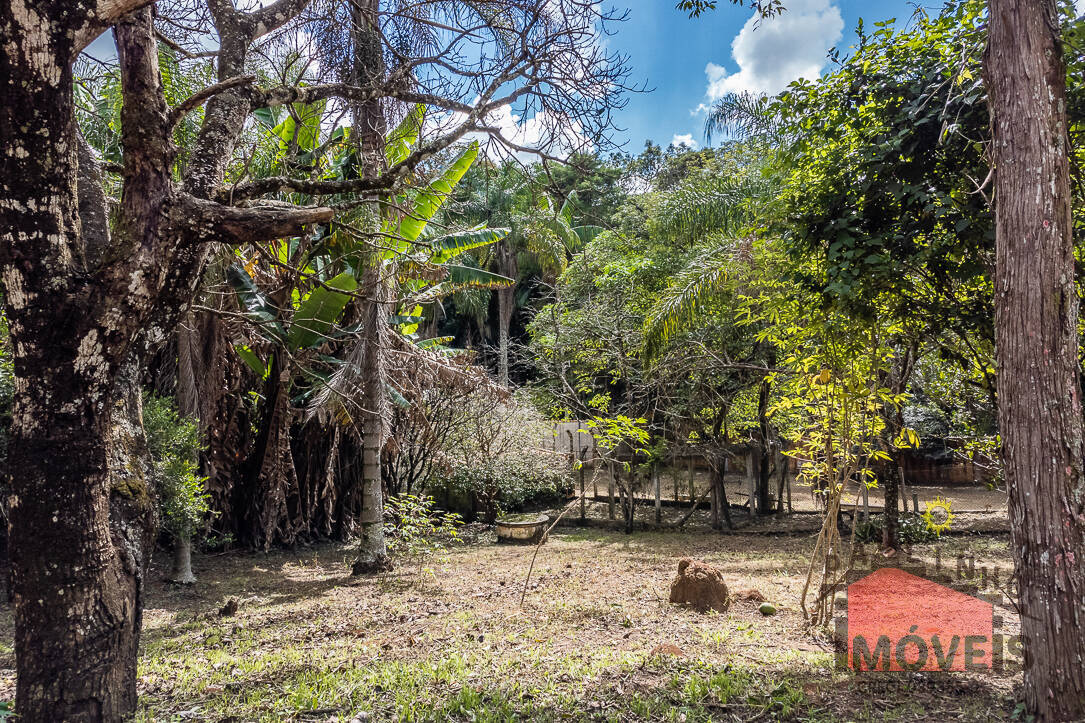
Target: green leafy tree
[[175, 445]]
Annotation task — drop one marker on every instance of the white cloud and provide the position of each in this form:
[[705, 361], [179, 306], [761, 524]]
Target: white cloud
[[1079, 6], [544, 132], [775, 51], [685, 139]]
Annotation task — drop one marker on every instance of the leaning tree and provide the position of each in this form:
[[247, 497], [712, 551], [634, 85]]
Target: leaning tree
[[93, 284]]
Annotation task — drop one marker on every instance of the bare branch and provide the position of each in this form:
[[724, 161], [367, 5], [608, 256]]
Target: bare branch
[[107, 13], [276, 15], [197, 99], [209, 220]]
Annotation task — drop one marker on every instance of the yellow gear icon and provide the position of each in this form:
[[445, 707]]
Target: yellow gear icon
[[938, 515]]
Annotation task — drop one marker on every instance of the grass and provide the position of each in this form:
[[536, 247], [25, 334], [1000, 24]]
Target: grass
[[310, 643]]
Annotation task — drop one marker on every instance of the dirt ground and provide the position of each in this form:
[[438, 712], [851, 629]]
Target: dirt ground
[[595, 639]]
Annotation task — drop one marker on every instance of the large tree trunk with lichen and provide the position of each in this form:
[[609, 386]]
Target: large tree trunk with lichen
[[1036, 333], [77, 564], [85, 302], [82, 511]]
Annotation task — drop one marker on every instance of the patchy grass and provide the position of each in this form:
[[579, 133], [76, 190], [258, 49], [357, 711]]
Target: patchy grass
[[310, 643]]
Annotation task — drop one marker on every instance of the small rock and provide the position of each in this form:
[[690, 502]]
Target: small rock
[[767, 609]]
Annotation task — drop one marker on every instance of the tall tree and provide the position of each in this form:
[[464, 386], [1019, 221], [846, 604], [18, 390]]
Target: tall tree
[[86, 302], [89, 289], [370, 126], [1037, 349]]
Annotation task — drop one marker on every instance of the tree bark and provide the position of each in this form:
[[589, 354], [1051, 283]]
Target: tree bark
[[371, 126], [77, 551], [372, 547], [506, 307], [182, 560], [891, 483], [1037, 349]]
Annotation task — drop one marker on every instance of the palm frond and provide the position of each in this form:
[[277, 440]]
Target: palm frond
[[704, 282], [741, 116], [715, 205]]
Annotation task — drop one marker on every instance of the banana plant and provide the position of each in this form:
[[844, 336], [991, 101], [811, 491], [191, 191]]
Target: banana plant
[[423, 264], [311, 323]]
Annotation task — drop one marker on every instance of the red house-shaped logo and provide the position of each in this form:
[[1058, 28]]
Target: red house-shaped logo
[[900, 622]]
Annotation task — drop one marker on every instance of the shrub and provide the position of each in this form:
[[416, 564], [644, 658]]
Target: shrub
[[174, 444], [510, 482], [912, 530], [496, 457], [416, 530]]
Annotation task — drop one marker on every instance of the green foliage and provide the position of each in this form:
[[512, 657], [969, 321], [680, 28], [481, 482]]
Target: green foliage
[[911, 530], [314, 318], [884, 160], [510, 482], [416, 530], [495, 454], [174, 443]]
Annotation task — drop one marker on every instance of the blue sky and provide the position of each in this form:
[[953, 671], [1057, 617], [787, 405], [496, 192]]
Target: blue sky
[[672, 54]]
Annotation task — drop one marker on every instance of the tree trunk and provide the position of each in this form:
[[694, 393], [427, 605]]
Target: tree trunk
[[86, 299], [372, 547], [370, 124], [182, 560], [271, 495], [891, 483], [505, 304], [1036, 332], [81, 488], [77, 551], [764, 504]]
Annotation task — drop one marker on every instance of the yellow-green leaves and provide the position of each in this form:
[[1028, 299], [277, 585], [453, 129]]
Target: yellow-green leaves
[[320, 310], [423, 204], [907, 439]]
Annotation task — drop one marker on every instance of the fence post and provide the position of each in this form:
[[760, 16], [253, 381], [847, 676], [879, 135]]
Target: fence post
[[610, 492], [582, 510], [751, 484], [787, 461], [657, 478], [692, 486], [674, 477], [915, 503], [866, 504], [903, 496], [594, 476], [714, 497]]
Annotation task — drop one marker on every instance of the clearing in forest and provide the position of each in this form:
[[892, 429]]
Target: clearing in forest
[[595, 640]]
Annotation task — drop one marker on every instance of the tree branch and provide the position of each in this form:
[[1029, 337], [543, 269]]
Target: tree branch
[[275, 15], [207, 220], [196, 100], [107, 13]]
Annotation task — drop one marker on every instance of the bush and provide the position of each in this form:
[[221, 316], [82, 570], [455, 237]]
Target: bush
[[416, 530], [496, 457], [510, 482], [174, 444], [913, 529]]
